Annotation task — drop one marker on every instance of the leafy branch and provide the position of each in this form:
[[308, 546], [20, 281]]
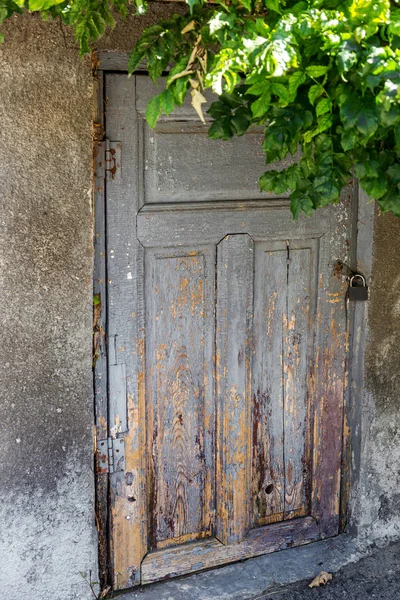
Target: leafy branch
[[321, 76]]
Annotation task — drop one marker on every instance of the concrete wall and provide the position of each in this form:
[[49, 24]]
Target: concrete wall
[[46, 492], [46, 438], [377, 510]]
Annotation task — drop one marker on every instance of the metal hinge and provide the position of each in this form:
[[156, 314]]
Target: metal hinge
[[113, 155], [111, 455]]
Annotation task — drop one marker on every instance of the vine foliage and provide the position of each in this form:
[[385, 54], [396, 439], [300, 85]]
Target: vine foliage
[[321, 76]]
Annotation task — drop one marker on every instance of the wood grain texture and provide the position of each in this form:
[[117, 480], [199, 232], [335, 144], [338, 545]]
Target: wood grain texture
[[297, 333], [227, 426], [179, 292], [203, 555], [100, 323], [159, 227], [268, 473], [125, 288], [234, 312]]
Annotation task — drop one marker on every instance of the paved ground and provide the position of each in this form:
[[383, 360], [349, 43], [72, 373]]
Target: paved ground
[[376, 577], [274, 576]]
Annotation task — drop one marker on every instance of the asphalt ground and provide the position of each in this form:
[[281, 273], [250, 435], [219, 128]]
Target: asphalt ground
[[376, 577]]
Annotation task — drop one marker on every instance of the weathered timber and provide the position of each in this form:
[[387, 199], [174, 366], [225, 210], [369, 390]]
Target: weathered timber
[[203, 555], [231, 326], [234, 315]]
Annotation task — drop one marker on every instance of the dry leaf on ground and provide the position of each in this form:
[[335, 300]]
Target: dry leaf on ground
[[320, 579]]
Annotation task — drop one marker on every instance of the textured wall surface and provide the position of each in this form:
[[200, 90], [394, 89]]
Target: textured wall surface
[[46, 437], [378, 510], [46, 443]]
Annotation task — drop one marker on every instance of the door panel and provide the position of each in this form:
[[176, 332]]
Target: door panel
[[228, 326], [179, 372]]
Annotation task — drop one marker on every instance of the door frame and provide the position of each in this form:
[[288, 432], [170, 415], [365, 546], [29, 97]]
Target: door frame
[[361, 261]]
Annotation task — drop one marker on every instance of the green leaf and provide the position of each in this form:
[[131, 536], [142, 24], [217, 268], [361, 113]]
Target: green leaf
[[220, 129], [135, 59], [375, 188], [241, 121], [261, 106], [280, 90], [259, 88], [323, 106], [153, 111], [301, 202], [345, 60], [180, 89], [295, 80], [348, 139], [35, 5], [327, 187], [359, 112], [317, 71], [167, 101], [273, 5], [315, 92], [324, 122]]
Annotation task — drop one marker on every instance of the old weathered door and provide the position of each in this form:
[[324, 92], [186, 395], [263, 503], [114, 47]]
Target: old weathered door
[[227, 338]]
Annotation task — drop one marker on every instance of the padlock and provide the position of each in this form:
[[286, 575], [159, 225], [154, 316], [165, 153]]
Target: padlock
[[358, 292]]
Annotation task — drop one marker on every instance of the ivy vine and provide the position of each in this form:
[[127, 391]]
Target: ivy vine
[[320, 76]]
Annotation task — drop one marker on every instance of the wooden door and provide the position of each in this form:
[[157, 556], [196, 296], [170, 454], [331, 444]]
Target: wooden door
[[227, 341]]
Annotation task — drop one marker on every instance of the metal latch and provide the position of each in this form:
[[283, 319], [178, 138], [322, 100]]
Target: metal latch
[[113, 157], [111, 455]]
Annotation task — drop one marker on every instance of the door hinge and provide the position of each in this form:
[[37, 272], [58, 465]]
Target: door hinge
[[111, 455], [113, 155]]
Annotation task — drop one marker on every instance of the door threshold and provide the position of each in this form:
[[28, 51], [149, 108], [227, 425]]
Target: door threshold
[[250, 579]]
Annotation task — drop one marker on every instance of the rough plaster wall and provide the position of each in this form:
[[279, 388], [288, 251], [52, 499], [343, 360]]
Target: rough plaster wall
[[46, 476], [378, 510]]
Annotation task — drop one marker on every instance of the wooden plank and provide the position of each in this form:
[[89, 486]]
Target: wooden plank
[[125, 256], [174, 562], [158, 227], [175, 151], [118, 406], [361, 261], [297, 333], [99, 322], [234, 308], [270, 291], [329, 375], [179, 293]]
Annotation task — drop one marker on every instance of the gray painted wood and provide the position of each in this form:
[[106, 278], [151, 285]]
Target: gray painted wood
[[158, 226], [297, 332], [263, 540], [198, 172], [128, 523], [100, 323], [270, 292], [179, 351], [234, 316], [118, 408], [167, 497]]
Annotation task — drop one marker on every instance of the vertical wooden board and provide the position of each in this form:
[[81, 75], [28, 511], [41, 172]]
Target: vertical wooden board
[[99, 322], [268, 474], [178, 366], [118, 419], [128, 523], [235, 266], [297, 333], [330, 383]]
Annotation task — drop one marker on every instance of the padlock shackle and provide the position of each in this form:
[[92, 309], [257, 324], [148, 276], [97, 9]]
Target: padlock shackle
[[357, 275]]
